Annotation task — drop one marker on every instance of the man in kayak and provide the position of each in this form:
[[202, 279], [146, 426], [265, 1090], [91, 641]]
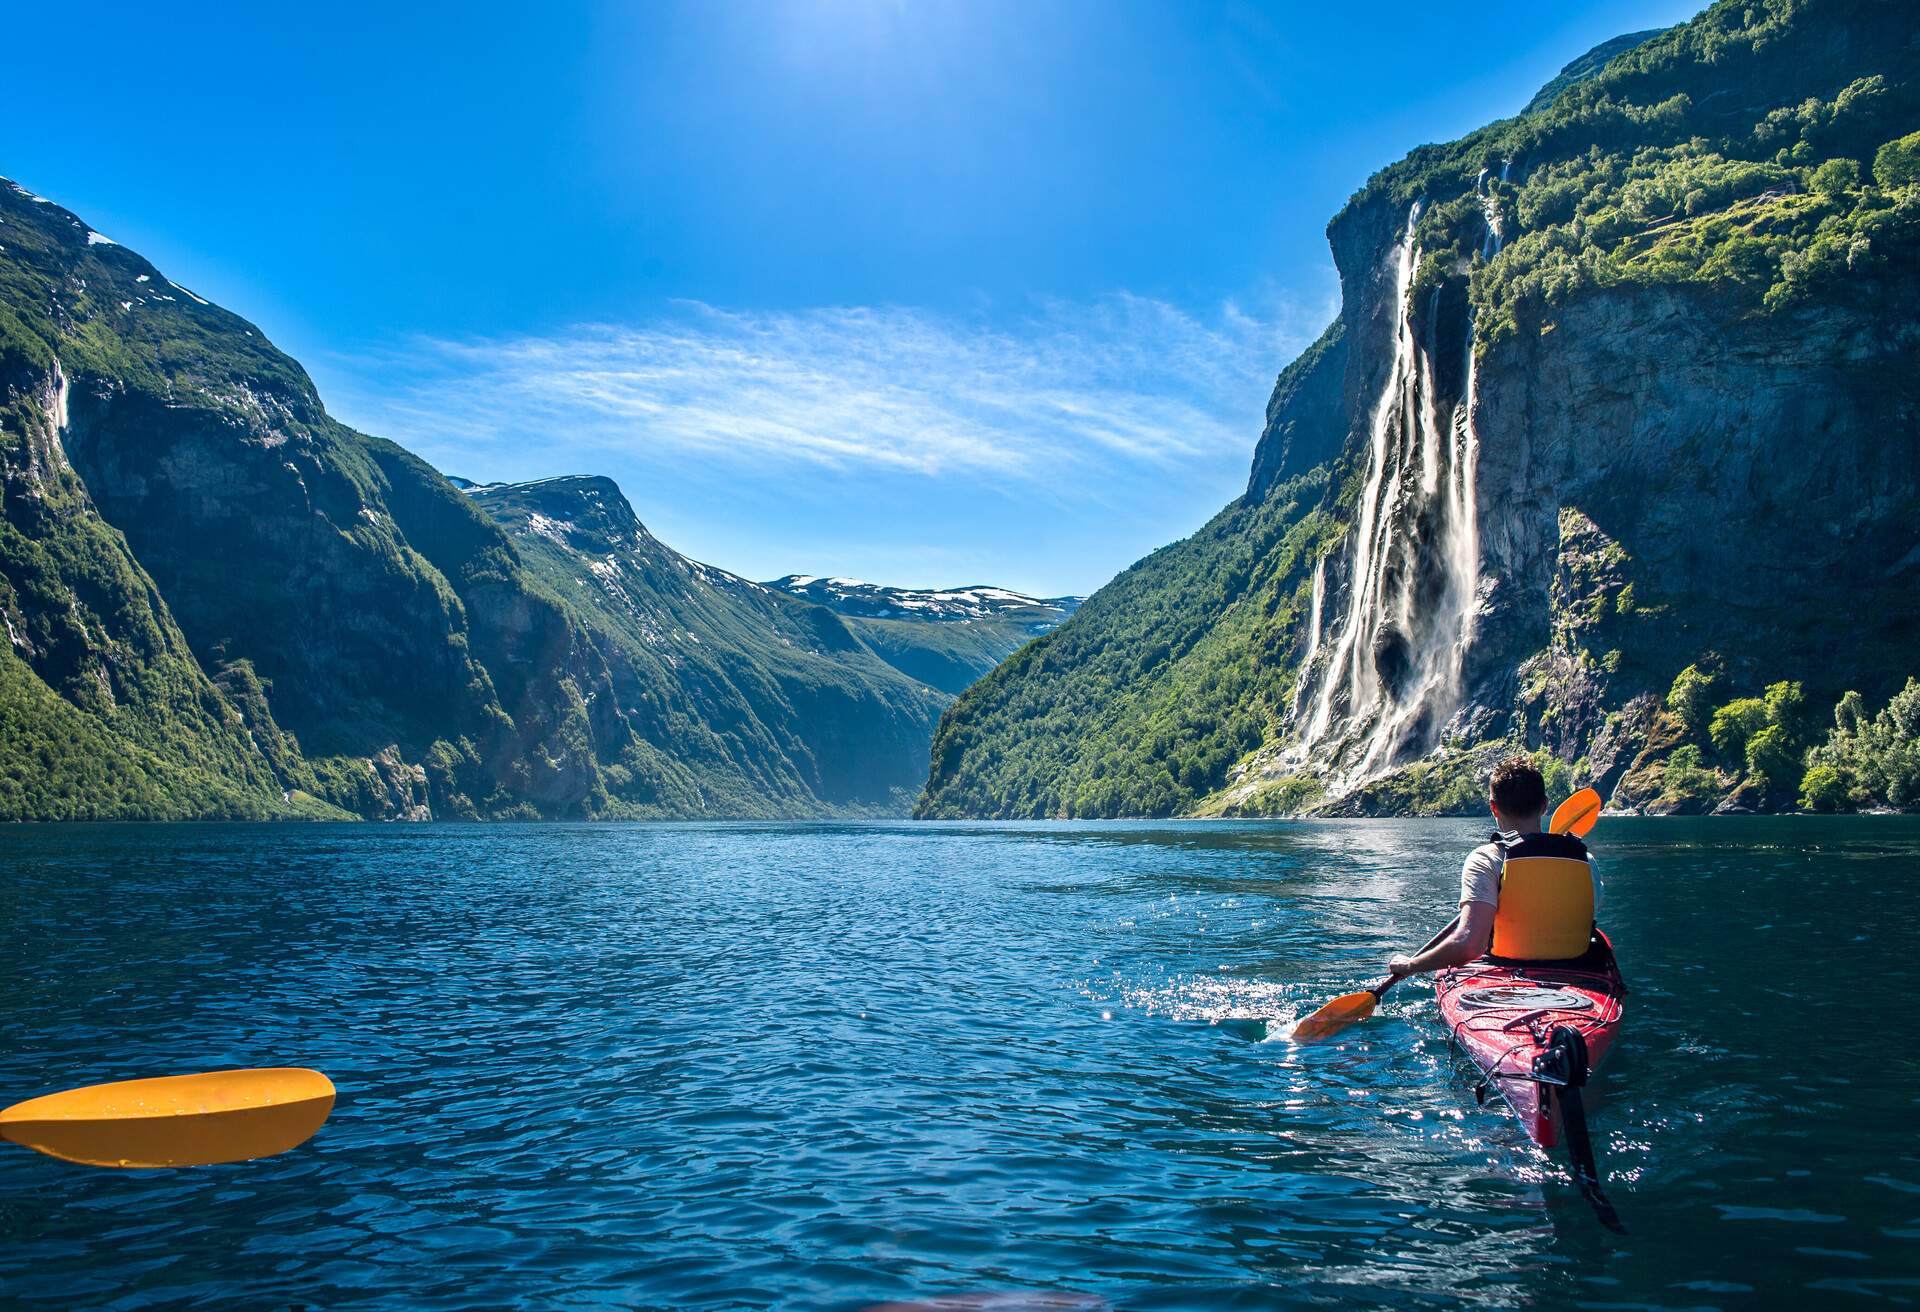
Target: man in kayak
[[1524, 896]]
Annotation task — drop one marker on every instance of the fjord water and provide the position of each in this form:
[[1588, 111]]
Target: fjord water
[[827, 1066]]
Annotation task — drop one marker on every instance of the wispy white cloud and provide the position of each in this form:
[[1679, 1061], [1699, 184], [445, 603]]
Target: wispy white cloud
[[1125, 382]]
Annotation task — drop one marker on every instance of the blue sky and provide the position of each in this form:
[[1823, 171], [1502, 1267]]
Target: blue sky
[[930, 292]]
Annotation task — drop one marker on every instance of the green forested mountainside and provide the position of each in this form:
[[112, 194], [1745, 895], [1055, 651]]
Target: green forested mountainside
[[219, 601], [1586, 66], [1736, 152], [105, 710], [1693, 309], [726, 684], [1868, 758], [1160, 682]]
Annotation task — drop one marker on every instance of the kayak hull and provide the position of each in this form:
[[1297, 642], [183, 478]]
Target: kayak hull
[[1503, 1016]]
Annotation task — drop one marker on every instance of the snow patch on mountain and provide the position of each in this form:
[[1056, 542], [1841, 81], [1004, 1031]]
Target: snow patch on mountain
[[940, 605]]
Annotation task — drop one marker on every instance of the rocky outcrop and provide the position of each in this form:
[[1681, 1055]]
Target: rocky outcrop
[[1306, 415]]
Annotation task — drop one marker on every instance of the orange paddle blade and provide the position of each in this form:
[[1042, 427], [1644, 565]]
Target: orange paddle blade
[[1576, 815], [1343, 1011], [175, 1120]]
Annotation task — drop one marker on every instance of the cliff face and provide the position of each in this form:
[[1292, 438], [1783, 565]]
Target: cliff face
[[1660, 475], [221, 601], [1307, 414], [1757, 482], [103, 709], [1619, 388]]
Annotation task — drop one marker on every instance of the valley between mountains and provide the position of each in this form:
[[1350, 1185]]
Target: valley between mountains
[[220, 602], [1611, 455]]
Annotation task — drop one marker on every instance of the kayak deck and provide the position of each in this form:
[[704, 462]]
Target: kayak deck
[[1504, 1017]]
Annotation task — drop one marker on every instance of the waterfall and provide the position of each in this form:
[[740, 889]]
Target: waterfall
[[1314, 609], [1490, 207], [1391, 676]]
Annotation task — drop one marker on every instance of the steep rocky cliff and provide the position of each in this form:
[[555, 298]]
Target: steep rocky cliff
[[220, 601], [1621, 388]]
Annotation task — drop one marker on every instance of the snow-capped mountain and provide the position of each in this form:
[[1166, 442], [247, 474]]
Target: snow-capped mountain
[[978, 602]]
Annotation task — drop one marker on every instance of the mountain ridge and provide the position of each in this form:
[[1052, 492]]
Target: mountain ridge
[[948, 639], [222, 602]]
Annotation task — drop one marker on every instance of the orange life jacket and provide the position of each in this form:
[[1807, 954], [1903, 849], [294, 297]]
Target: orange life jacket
[[1546, 899]]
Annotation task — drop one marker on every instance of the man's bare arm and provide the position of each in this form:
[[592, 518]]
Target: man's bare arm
[[1468, 940]]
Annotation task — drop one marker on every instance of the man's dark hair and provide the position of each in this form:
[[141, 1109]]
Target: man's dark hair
[[1517, 788]]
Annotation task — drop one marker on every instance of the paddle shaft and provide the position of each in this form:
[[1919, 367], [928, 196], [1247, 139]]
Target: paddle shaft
[[1380, 990]]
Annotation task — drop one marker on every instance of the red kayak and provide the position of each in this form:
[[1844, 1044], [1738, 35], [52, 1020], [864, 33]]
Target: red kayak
[[1537, 1032]]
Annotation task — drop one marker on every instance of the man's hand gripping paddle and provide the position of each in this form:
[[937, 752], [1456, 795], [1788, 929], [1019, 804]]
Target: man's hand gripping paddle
[[1574, 816]]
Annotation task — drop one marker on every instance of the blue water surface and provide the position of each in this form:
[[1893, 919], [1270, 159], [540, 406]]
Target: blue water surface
[[838, 1065]]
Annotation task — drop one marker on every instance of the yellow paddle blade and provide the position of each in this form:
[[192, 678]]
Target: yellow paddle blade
[[1343, 1011], [1576, 815], [176, 1120]]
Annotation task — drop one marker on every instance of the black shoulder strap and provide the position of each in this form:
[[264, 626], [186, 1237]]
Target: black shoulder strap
[[1562, 845]]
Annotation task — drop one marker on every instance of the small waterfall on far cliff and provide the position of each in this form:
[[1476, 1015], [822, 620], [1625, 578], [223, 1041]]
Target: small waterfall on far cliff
[[1490, 207], [1314, 609], [1382, 688]]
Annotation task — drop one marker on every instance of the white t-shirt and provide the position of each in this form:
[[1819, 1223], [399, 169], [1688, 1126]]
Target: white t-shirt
[[1480, 876]]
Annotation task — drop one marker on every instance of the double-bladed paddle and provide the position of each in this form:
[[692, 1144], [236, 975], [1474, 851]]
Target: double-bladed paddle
[[1574, 816], [175, 1120]]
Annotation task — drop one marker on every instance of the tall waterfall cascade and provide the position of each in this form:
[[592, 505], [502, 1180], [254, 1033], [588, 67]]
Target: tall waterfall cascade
[[1380, 686]]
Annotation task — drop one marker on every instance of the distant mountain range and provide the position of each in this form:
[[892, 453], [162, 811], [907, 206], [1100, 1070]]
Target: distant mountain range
[[219, 601], [944, 637]]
